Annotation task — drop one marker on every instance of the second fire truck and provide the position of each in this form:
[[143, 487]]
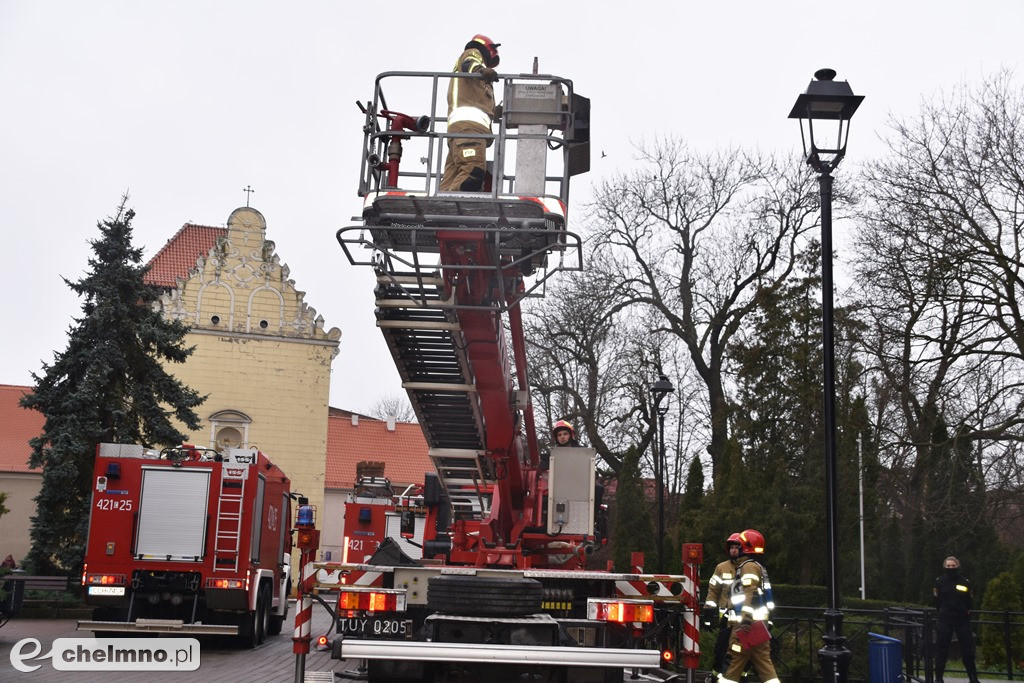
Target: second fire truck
[[188, 540]]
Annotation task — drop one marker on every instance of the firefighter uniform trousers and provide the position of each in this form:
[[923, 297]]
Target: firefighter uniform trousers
[[718, 599], [760, 656], [466, 165]]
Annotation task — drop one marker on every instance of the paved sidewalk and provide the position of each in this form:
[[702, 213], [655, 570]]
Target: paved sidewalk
[[220, 659]]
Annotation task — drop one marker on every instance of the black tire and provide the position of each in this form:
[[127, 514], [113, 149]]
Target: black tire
[[276, 622], [253, 630], [483, 596], [263, 613]]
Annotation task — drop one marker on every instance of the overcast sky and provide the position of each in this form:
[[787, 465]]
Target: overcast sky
[[183, 104]]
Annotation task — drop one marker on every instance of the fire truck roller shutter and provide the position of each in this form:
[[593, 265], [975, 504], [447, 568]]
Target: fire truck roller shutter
[[172, 513]]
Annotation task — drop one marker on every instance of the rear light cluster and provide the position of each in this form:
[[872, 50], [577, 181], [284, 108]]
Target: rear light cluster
[[104, 580], [621, 611], [226, 583], [371, 600]]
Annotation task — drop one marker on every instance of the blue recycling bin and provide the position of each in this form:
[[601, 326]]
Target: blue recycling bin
[[885, 659]]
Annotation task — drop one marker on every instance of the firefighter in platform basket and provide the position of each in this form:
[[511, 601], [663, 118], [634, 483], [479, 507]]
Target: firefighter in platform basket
[[471, 110]]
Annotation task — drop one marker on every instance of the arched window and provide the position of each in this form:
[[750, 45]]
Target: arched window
[[229, 429]]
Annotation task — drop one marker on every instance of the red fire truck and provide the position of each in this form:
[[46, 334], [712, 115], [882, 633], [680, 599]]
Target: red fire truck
[[375, 512], [506, 588], [188, 540]]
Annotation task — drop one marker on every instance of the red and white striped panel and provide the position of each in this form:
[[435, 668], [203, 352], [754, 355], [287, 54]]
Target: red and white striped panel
[[304, 615], [691, 621], [332, 578], [639, 588]]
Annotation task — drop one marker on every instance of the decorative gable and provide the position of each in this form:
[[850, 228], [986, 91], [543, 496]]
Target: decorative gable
[[238, 285]]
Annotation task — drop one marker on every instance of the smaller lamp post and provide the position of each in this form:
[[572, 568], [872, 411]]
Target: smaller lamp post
[[830, 103], [659, 390]]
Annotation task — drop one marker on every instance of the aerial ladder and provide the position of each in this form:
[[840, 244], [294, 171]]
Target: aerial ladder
[[452, 269], [503, 590]]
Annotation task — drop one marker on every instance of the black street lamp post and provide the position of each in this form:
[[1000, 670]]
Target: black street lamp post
[[831, 103], [659, 390]]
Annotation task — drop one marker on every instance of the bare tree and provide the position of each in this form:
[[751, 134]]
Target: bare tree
[[591, 361], [393, 405], [941, 259], [939, 263], [695, 236]]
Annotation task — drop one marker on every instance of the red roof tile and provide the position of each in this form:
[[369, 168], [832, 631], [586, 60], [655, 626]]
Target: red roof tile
[[404, 450], [180, 253], [19, 425]]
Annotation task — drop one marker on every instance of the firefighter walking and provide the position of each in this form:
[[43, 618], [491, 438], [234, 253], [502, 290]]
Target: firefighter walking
[[750, 606], [717, 602], [470, 110]]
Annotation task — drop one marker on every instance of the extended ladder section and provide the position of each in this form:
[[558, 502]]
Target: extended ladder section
[[423, 334], [228, 533], [448, 264]]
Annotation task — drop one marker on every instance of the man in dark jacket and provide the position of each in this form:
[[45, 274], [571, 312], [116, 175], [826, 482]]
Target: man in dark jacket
[[953, 598]]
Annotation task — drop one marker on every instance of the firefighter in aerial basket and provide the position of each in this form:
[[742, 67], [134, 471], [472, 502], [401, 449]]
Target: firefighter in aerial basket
[[471, 110], [750, 606], [562, 434]]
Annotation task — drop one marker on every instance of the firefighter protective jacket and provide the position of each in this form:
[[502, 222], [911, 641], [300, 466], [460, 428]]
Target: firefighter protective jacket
[[718, 585], [952, 594], [750, 593], [470, 100]]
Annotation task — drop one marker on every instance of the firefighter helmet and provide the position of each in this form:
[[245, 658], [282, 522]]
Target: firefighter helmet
[[488, 47], [752, 542], [733, 538], [559, 426]]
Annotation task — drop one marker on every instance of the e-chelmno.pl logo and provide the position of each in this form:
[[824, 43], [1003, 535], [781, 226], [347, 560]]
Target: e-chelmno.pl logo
[[108, 654]]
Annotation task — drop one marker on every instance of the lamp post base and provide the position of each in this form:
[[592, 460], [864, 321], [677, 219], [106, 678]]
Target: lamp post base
[[834, 658]]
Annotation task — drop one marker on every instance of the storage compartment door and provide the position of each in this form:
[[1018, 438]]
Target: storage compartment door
[[172, 514]]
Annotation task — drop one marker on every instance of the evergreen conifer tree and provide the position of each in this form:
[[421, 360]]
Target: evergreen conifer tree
[[633, 528], [1002, 594], [108, 385]]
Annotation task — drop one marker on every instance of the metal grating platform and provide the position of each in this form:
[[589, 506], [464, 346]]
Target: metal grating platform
[[402, 221]]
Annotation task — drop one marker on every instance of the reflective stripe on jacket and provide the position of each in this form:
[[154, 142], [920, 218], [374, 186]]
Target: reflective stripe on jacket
[[470, 99]]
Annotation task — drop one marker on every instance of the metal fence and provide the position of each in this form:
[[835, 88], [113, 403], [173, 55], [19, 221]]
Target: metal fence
[[798, 631]]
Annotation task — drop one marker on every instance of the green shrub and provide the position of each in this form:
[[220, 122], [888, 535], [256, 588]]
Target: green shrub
[[1002, 594]]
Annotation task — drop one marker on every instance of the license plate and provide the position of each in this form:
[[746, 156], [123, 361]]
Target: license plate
[[106, 590], [375, 627]]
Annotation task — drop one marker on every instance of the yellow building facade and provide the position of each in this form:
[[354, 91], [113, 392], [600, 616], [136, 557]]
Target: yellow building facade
[[262, 355]]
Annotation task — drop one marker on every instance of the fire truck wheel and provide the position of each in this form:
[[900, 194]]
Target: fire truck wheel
[[276, 622], [254, 631], [262, 612], [473, 596]]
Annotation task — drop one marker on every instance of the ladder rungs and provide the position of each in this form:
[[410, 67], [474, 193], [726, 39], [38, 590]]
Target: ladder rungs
[[438, 386], [434, 280], [417, 325]]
